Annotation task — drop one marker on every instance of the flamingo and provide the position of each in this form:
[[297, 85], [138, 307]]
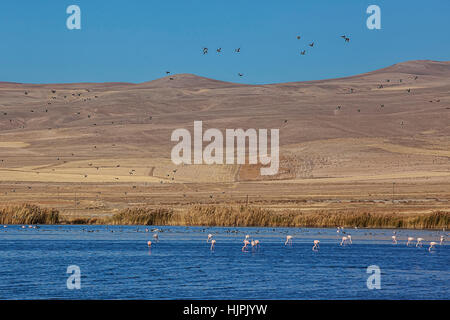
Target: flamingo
[[213, 242], [149, 244], [247, 237], [288, 240], [394, 239], [410, 239], [209, 237], [442, 240], [350, 239], [246, 243], [344, 241], [257, 244], [316, 245], [419, 242], [156, 237], [432, 244]]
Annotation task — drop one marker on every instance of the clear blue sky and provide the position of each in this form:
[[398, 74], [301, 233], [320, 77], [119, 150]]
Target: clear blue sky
[[137, 40]]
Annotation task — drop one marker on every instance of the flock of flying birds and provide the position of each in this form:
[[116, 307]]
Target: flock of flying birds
[[205, 51]]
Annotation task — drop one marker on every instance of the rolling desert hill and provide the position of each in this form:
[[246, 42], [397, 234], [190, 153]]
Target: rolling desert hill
[[375, 141]]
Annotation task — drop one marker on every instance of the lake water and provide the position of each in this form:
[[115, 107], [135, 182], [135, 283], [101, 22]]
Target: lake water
[[116, 263]]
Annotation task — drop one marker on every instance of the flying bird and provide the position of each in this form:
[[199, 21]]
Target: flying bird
[[303, 52], [311, 44]]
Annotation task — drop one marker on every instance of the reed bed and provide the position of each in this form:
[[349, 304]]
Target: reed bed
[[142, 216], [231, 216], [28, 214], [247, 216]]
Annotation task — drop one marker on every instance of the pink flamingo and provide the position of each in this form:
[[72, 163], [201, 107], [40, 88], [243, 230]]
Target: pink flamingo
[[257, 244], [149, 244], [213, 243], [344, 241], [316, 245], [419, 242], [350, 239], [394, 239], [246, 243], [410, 239], [432, 244], [288, 240]]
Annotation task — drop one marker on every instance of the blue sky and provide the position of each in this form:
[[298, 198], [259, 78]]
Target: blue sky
[[137, 40]]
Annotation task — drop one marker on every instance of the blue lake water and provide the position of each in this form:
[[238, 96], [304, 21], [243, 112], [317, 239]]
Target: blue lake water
[[116, 263]]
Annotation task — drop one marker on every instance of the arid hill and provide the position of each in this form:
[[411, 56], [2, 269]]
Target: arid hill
[[375, 141]]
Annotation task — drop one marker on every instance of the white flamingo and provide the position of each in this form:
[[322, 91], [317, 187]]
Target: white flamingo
[[394, 239], [432, 244], [350, 239], [316, 245], [209, 238], [257, 244], [213, 243], [410, 239], [344, 241], [419, 242], [442, 240], [156, 237], [288, 240]]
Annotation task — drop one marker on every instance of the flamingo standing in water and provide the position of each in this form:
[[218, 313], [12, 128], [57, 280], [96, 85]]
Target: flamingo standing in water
[[288, 240], [316, 245], [410, 239], [442, 240], [149, 244], [432, 244], [419, 242], [344, 241], [257, 244], [246, 243], [209, 238], [350, 239], [213, 243], [394, 239], [156, 237]]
